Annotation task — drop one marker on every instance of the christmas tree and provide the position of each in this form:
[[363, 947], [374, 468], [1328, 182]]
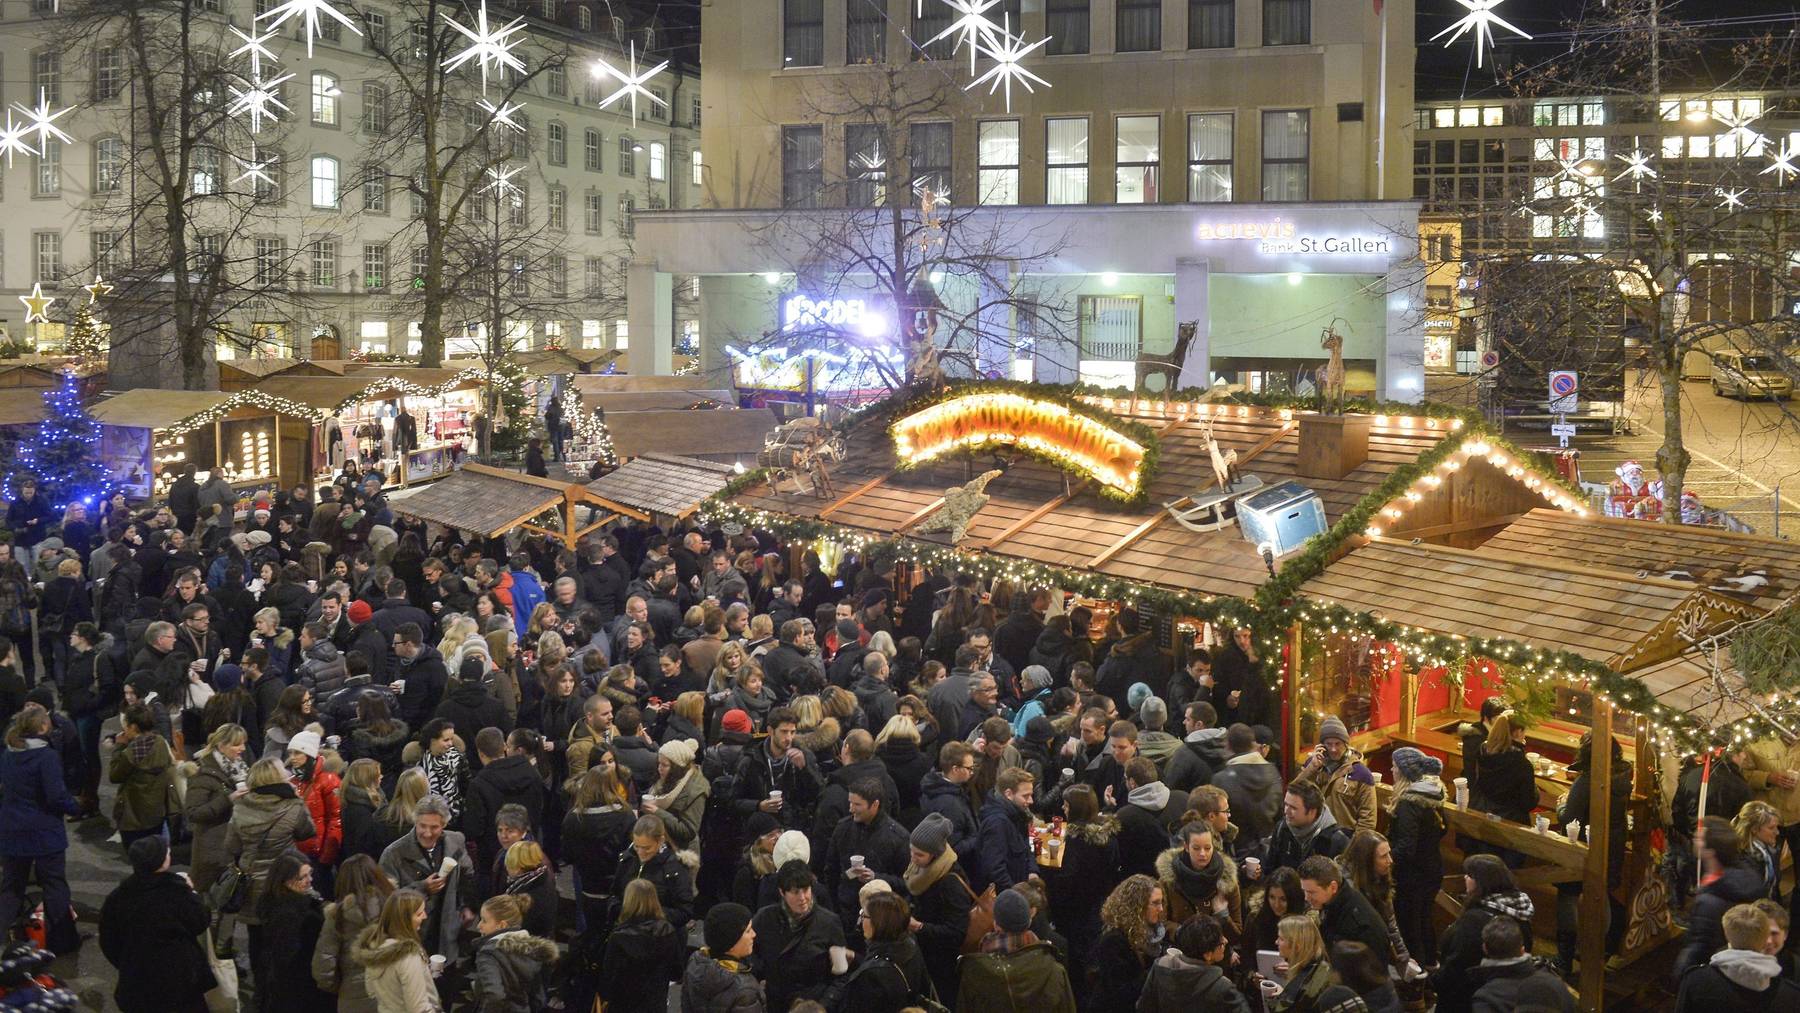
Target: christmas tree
[[63, 453], [85, 340]]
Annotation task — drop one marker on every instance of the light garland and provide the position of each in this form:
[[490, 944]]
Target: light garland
[[1055, 432], [251, 397]]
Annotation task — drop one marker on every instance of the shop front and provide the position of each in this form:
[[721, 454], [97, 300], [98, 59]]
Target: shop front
[[408, 429], [147, 436]]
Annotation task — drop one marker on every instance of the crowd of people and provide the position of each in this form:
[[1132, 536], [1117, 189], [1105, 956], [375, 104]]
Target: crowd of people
[[410, 771]]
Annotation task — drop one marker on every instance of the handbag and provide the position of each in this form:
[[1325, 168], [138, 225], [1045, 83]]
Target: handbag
[[228, 893], [223, 997], [981, 916]]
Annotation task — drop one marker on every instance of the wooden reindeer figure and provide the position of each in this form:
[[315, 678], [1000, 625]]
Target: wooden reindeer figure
[[1168, 366], [1224, 464], [1330, 376]]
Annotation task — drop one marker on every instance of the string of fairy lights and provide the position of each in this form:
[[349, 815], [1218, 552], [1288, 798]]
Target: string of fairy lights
[[387, 387]]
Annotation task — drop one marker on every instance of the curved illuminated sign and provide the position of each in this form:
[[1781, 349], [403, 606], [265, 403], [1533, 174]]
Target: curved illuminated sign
[[1055, 432]]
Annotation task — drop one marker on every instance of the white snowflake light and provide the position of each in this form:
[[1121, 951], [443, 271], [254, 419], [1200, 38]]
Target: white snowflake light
[[632, 84], [502, 115], [1738, 129], [1783, 164], [1480, 19], [254, 45], [1654, 215], [1007, 68], [500, 182], [15, 139], [972, 27], [309, 11], [42, 122], [254, 170], [260, 100], [1731, 200], [491, 48], [1637, 166]]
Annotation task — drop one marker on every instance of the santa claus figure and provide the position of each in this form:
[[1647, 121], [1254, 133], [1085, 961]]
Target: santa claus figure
[[1692, 511], [1631, 496]]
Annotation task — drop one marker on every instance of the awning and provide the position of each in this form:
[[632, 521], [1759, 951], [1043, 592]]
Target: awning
[[491, 502]]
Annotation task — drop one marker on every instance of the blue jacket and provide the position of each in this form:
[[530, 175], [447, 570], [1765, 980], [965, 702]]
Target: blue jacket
[[35, 802], [527, 595], [1031, 708], [1005, 848]]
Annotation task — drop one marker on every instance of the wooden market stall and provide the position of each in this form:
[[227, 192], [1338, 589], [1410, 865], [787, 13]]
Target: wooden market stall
[[490, 502], [255, 439], [241, 374], [363, 417], [663, 485]]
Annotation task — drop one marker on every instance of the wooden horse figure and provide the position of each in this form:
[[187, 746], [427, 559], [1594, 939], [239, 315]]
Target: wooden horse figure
[[1330, 377], [1168, 365]]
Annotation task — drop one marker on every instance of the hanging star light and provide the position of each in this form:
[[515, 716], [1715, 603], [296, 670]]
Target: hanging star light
[[37, 304], [14, 139], [1783, 164], [632, 83], [501, 116], [1654, 214], [309, 10], [1731, 200], [1637, 166], [97, 289], [972, 26], [1007, 68], [254, 45], [42, 122], [254, 170], [500, 182], [491, 48], [260, 100], [1738, 128], [1480, 20]]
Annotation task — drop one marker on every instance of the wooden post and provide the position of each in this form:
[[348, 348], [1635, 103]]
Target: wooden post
[[1409, 702], [1296, 705], [1594, 906]]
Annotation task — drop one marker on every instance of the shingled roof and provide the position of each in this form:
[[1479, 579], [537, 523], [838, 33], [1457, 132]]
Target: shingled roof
[[663, 483]]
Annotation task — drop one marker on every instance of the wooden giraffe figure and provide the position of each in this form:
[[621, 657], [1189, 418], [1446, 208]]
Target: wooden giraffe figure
[[1330, 376]]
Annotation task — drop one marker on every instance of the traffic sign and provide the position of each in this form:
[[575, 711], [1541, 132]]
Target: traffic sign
[[1565, 387], [1490, 359]]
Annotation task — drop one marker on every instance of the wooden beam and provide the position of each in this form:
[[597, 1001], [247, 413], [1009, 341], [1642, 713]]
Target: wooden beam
[[1296, 639], [1457, 527], [1057, 501], [845, 500], [597, 525], [919, 515], [1409, 701], [1594, 906]]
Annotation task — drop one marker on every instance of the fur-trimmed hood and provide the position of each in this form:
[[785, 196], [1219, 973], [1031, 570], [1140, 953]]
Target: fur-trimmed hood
[[821, 739], [1171, 869], [374, 954], [521, 944], [1099, 831]]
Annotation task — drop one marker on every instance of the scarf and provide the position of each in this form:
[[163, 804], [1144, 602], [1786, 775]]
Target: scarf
[[280, 789], [919, 880], [1001, 942], [141, 746], [523, 882], [1198, 884], [1749, 968], [662, 801]]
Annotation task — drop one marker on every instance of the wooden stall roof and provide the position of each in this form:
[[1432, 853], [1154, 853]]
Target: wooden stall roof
[[1685, 685], [1630, 546], [1566, 605], [21, 406], [1028, 515], [591, 383], [718, 431], [323, 393], [663, 483], [28, 374], [490, 501], [148, 408], [655, 400]]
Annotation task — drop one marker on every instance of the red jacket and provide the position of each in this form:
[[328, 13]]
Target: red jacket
[[503, 590], [321, 798]]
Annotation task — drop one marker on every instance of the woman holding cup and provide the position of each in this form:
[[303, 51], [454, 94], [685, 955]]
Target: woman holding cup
[[393, 957], [1311, 986]]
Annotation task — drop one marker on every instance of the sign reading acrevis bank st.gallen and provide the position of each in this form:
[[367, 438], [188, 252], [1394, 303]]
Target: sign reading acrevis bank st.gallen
[[1278, 236], [1046, 429]]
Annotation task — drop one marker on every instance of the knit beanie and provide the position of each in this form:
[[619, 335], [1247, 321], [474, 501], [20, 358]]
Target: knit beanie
[[1137, 694], [725, 925], [759, 824], [1012, 912], [932, 835], [1035, 677], [735, 720], [306, 742], [680, 752], [790, 845], [1414, 764], [227, 678], [848, 632], [1333, 728], [360, 612], [472, 668]]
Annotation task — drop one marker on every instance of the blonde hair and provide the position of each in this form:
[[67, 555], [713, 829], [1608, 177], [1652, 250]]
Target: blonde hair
[[551, 650], [882, 642], [1499, 738], [1751, 818], [1127, 907], [265, 772], [691, 705], [271, 613], [1305, 945], [509, 908], [901, 727], [523, 856], [365, 774], [226, 734], [396, 921], [69, 568], [455, 632], [26, 724], [409, 790], [762, 625], [640, 901], [808, 712]]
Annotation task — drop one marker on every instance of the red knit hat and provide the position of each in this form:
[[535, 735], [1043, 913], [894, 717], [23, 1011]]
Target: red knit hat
[[360, 612], [735, 720]]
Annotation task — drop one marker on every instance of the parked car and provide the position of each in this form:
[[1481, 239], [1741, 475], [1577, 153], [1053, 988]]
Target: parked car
[[1735, 374]]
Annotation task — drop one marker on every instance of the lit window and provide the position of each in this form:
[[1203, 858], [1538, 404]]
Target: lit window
[[699, 169], [1209, 157], [1468, 116], [659, 161], [324, 99], [109, 164], [998, 150], [1139, 159], [1285, 151], [324, 181], [1443, 118], [1066, 161], [621, 335]]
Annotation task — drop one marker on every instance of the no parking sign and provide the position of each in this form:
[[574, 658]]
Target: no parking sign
[[1565, 385]]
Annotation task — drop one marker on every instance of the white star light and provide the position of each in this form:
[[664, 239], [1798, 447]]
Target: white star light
[[1732, 200], [253, 44], [1738, 127], [259, 100], [501, 116], [500, 182], [972, 26], [310, 11], [1637, 166], [632, 83], [14, 139], [42, 122], [1481, 20], [1783, 166], [1006, 68], [491, 48], [37, 304], [1654, 214], [253, 169]]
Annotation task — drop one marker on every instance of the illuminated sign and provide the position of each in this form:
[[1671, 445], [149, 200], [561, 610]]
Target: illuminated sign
[[1278, 236], [798, 311], [1046, 429]]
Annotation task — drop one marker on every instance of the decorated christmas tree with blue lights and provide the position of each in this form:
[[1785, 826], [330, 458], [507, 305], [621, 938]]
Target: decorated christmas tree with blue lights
[[63, 453]]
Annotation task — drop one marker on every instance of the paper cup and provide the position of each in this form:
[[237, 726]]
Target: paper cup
[[333, 740], [1068, 774], [1253, 865], [840, 960], [437, 965], [447, 866], [1270, 990], [1376, 774], [776, 795], [1543, 824], [856, 861]]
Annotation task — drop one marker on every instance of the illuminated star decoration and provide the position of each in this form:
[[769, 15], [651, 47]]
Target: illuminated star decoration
[[972, 26], [632, 83], [1480, 20], [1654, 214], [253, 44], [490, 48], [310, 11], [1783, 165], [37, 304], [501, 116], [14, 139], [1006, 68], [259, 100], [42, 122], [1732, 200], [1738, 127], [500, 182], [1637, 166], [254, 170], [97, 289]]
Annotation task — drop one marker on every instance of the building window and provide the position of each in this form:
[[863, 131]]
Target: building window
[[699, 168], [1287, 22], [324, 99], [865, 36], [559, 143], [109, 164], [623, 222], [594, 271], [1066, 161], [374, 31], [1139, 26], [520, 286], [516, 210], [558, 79], [324, 181], [621, 334], [594, 204], [374, 194], [931, 155], [1212, 24], [557, 266], [997, 150], [930, 21], [105, 246], [375, 108], [46, 76], [1209, 157], [659, 161], [324, 263], [271, 254], [1139, 159], [329, 30], [627, 157], [556, 211], [1066, 22], [694, 111], [204, 179], [1110, 329], [659, 105], [49, 257], [590, 150], [1284, 151], [421, 264], [372, 336], [803, 33], [584, 18], [109, 73], [375, 266], [47, 180], [865, 165], [268, 191], [802, 166]]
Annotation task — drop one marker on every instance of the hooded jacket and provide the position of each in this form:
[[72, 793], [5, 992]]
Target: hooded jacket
[[149, 926], [207, 805], [673, 880], [507, 779], [1180, 984], [1254, 787], [33, 801], [510, 971], [719, 986], [1005, 856], [1460, 951], [1089, 871], [1197, 759], [1346, 788], [1149, 817], [320, 794], [643, 955], [1028, 980], [333, 968], [426, 680], [1706, 933], [323, 671], [1415, 831], [1737, 980], [1211, 891], [470, 707], [1502, 986], [1289, 847], [264, 824], [397, 975], [937, 794]]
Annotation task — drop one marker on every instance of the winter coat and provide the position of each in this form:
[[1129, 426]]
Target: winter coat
[[150, 927], [1148, 819], [882, 842], [1311, 989], [1729, 982], [1254, 787], [426, 681], [1504, 986], [324, 670], [407, 867], [333, 969], [720, 986], [1508, 784], [207, 806], [510, 971], [643, 955], [539, 885], [1726, 793], [939, 795], [1460, 952], [1089, 871], [398, 976], [283, 974], [470, 708], [1005, 845], [143, 769], [1288, 848], [799, 787], [906, 766], [834, 800], [1179, 984], [1350, 917], [684, 808], [888, 978], [877, 699], [1197, 759], [1575, 806], [363, 832], [1764, 758], [1706, 932], [321, 797], [34, 798], [941, 902], [1415, 832], [592, 841], [1028, 980], [383, 748], [509, 779], [1346, 790], [264, 824], [794, 960], [1212, 891], [673, 880], [1120, 971]]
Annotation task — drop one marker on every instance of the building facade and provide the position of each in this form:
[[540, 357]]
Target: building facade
[[1217, 126], [342, 236]]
